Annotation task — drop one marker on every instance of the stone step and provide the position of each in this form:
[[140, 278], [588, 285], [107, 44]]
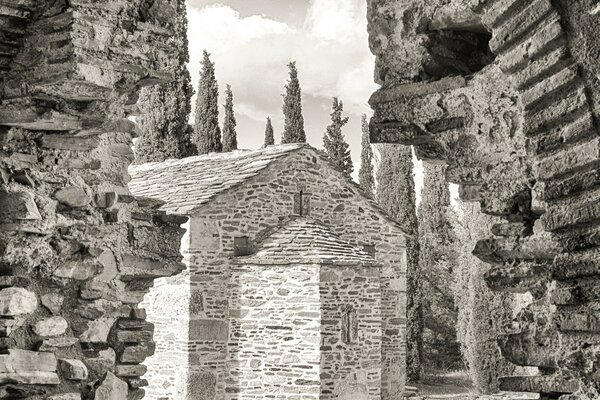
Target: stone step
[[575, 159], [578, 127], [545, 91], [542, 66], [518, 278], [14, 12], [526, 349], [584, 211], [576, 293], [577, 264], [571, 321], [536, 14], [561, 112], [501, 250], [549, 384], [548, 38], [496, 12], [571, 185]]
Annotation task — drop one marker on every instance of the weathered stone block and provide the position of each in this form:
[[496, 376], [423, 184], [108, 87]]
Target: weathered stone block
[[73, 370], [54, 326], [17, 301], [112, 388], [28, 367], [17, 206], [72, 196], [53, 302], [78, 270]]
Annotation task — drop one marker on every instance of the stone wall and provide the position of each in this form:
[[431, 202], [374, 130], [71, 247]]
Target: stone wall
[[275, 341], [520, 136], [255, 209], [351, 370], [78, 252]]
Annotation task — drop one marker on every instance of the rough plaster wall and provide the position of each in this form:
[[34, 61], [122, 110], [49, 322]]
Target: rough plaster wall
[[256, 208], [538, 169], [78, 252]]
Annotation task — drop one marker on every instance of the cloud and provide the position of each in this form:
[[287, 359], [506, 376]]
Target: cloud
[[251, 53]]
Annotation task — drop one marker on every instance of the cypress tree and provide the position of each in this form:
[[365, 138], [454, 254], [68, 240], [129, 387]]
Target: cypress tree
[[365, 174], [293, 128], [229, 134], [269, 137], [441, 349], [207, 134], [396, 195], [483, 315], [333, 140], [164, 109]]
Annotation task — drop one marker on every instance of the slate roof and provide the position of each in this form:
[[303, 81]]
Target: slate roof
[[306, 241], [188, 183]]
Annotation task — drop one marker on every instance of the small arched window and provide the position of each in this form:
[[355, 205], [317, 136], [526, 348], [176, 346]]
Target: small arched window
[[349, 324]]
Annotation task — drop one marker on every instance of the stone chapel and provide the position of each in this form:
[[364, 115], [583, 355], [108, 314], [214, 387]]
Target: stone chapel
[[295, 281]]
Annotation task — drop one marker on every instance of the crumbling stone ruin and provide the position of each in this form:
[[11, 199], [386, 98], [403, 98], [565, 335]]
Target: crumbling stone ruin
[[506, 93], [296, 281], [78, 251]]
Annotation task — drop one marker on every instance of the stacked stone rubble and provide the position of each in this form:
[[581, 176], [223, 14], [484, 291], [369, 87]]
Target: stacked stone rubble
[[78, 251], [520, 136]]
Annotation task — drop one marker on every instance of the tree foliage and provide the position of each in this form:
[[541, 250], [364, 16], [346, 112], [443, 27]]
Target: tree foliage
[[396, 195], [229, 124], [269, 136], [334, 142], [482, 314], [165, 109], [441, 350], [293, 127], [207, 134], [365, 173]]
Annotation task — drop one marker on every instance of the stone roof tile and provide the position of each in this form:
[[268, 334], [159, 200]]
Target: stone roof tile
[[307, 241], [188, 183]]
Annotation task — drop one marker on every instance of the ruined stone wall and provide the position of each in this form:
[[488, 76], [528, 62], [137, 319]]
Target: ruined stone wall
[[78, 252], [255, 209], [523, 142]]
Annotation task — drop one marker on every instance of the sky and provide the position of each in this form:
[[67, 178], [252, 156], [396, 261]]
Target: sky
[[252, 41]]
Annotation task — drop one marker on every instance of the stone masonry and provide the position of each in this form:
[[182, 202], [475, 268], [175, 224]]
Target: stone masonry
[[506, 93], [77, 250], [236, 202]]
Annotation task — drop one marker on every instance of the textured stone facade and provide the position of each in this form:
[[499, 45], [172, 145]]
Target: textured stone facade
[[255, 208], [77, 250], [516, 122]]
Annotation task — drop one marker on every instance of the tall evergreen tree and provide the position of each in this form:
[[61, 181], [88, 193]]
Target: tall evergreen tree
[[483, 315], [396, 195], [293, 127], [365, 174], [207, 134], [333, 140], [269, 136], [165, 109], [229, 134], [441, 350]]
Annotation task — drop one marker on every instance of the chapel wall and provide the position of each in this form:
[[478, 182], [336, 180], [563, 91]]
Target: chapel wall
[[255, 209]]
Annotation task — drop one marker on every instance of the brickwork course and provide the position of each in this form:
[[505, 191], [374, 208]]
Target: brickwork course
[[272, 323]]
